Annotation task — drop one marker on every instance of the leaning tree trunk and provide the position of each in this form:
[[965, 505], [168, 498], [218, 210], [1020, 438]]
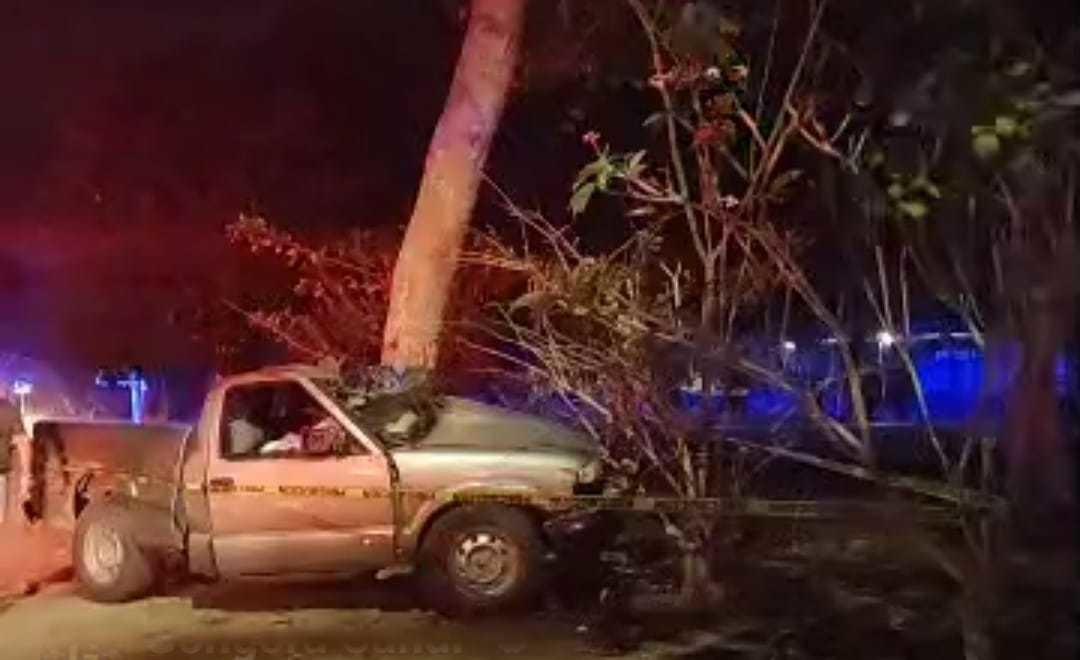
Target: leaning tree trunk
[[1039, 463], [448, 191]]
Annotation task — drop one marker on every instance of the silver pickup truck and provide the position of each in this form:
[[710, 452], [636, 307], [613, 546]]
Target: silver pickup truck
[[293, 470]]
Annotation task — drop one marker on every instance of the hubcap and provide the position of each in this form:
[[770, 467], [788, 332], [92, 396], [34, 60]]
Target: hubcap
[[103, 554], [485, 562]]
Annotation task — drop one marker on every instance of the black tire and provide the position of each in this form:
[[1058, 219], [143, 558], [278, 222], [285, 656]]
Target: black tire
[[509, 535], [130, 575]]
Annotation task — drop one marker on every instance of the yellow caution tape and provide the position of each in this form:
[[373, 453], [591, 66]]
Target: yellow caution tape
[[800, 509]]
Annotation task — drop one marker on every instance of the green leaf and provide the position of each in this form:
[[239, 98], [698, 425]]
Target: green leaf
[[1026, 107], [1005, 126], [781, 182], [591, 170], [653, 118], [922, 184], [986, 145], [604, 177], [1019, 69], [634, 165], [914, 209], [580, 199], [530, 300], [895, 191], [642, 211]]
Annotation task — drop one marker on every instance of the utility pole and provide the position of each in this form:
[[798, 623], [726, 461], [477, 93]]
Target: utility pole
[[135, 383]]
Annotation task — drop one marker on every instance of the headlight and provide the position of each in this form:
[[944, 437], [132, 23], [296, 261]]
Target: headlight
[[589, 472]]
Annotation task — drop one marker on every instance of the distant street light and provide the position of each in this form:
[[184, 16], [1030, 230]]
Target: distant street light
[[885, 339]]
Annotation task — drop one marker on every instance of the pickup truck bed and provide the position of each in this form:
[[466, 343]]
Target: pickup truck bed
[[69, 454]]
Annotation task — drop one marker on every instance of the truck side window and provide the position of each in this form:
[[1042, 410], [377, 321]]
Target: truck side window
[[280, 420]]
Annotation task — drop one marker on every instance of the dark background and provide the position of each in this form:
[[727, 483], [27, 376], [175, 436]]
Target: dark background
[[132, 132]]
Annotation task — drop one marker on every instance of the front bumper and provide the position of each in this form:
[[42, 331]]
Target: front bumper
[[581, 532]]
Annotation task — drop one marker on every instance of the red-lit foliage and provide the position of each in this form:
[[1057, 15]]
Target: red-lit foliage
[[338, 298], [336, 304]]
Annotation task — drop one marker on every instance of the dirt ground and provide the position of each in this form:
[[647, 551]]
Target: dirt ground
[[776, 607], [264, 621], [30, 556], [42, 618]]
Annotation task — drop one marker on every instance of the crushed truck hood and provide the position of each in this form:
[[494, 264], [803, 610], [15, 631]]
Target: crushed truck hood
[[465, 423]]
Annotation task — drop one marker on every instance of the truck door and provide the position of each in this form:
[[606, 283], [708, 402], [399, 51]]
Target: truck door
[[291, 490]]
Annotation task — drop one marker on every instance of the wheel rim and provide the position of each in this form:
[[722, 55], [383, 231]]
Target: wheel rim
[[485, 562], [103, 554]]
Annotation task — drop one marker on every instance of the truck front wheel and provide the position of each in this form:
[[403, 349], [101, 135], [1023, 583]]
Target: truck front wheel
[[109, 565], [481, 559]]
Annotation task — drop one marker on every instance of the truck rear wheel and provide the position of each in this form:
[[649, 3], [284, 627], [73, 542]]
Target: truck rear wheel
[[481, 559], [110, 566]]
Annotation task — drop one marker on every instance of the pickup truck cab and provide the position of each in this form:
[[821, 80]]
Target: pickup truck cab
[[297, 470]]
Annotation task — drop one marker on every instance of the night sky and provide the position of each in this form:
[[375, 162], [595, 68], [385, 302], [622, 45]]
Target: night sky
[[132, 132]]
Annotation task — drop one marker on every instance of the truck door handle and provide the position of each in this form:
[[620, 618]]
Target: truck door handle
[[222, 483]]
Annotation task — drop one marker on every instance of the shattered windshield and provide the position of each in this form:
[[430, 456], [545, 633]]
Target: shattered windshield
[[398, 407]]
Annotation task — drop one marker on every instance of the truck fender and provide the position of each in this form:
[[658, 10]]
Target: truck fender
[[154, 528], [434, 509]]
